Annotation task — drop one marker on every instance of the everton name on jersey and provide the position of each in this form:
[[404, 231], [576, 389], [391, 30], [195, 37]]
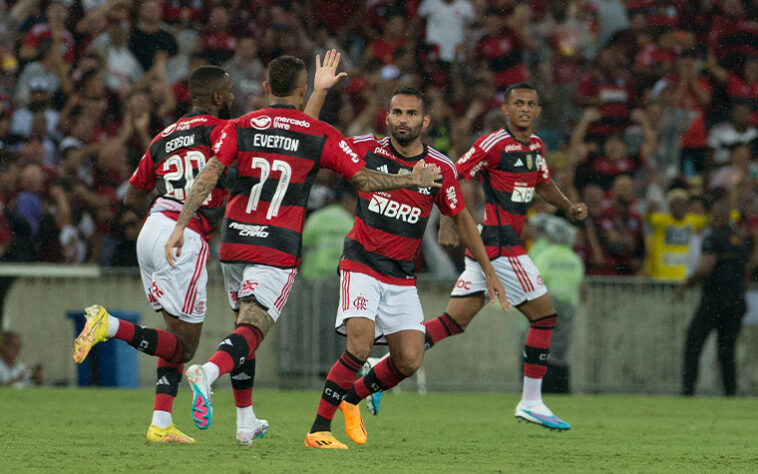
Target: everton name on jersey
[[278, 151], [172, 162], [509, 170], [384, 241]]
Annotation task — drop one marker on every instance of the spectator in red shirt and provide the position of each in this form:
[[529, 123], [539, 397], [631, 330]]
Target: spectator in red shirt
[[395, 37], [503, 46], [742, 86], [608, 87], [620, 232], [217, 42], [53, 28]]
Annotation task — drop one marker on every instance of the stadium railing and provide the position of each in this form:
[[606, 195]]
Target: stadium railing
[[628, 335]]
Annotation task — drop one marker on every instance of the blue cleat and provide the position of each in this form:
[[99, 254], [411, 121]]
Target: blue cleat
[[539, 414]]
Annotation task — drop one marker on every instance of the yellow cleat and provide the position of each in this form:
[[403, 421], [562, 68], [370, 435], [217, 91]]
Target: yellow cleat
[[323, 440], [95, 330], [167, 435], [354, 426]]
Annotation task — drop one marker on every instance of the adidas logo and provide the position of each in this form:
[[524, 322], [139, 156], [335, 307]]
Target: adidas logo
[[384, 169], [163, 381], [226, 342], [241, 376], [519, 163]]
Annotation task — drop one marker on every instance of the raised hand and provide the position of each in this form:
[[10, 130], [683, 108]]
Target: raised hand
[[577, 211], [426, 176], [326, 74]]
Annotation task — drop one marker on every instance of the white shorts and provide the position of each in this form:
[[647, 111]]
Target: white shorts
[[393, 308], [519, 276], [270, 286], [179, 291]]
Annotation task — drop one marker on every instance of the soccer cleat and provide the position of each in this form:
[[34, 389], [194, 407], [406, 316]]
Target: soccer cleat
[[246, 434], [167, 435], [354, 426], [202, 407], [323, 440], [372, 401], [540, 414], [95, 330]]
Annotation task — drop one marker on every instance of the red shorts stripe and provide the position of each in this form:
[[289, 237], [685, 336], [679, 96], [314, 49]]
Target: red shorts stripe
[[189, 298], [518, 274], [279, 303], [525, 274]]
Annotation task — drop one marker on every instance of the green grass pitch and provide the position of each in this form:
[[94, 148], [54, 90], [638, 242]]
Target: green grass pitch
[[99, 430]]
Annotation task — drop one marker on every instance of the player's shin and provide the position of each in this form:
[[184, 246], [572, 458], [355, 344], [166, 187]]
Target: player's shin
[[536, 354], [234, 350], [169, 374], [242, 388], [338, 382], [439, 328], [383, 376], [155, 342]]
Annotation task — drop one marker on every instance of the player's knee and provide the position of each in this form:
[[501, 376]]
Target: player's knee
[[360, 351], [408, 361]]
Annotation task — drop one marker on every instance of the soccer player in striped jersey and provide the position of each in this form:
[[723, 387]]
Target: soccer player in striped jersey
[[277, 150], [510, 164], [378, 299], [168, 167]]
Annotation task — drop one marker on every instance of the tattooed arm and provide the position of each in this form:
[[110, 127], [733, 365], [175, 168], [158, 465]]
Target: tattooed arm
[[422, 176], [200, 190]]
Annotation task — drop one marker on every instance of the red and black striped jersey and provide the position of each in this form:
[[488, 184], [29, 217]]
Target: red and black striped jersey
[[509, 170], [278, 151], [385, 238], [172, 162]]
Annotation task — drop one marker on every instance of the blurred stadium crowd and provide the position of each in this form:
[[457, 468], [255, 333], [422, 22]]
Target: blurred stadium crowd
[[649, 106]]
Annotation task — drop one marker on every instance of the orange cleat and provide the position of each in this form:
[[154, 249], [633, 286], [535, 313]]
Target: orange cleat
[[354, 426], [323, 440]]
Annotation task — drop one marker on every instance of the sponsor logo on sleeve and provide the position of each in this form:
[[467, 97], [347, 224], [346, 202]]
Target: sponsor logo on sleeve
[[452, 198], [349, 151], [467, 155], [217, 146]]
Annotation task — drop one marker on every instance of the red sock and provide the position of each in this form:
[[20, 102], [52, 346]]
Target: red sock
[[383, 376], [537, 348], [169, 376], [236, 348], [155, 342], [338, 381], [439, 328]]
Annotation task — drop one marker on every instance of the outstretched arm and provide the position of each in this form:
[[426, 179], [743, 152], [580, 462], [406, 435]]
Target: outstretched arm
[[423, 176], [326, 76], [470, 237], [200, 190]]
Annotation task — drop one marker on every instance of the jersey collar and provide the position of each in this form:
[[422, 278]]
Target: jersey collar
[[281, 106], [508, 130], [418, 157]]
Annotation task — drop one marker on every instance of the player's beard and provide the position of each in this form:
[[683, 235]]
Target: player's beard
[[405, 140], [225, 112]]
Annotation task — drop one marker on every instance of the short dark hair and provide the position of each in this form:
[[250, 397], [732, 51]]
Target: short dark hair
[[284, 74], [206, 80], [415, 92], [518, 85]]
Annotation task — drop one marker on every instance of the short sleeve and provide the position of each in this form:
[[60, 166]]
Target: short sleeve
[[476, 158], [449, 198], [225, 144], [144, 176], [340, 156], [543, 171]]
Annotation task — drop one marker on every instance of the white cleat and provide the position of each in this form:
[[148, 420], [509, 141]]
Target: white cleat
[[540, 414], [246, 434]]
